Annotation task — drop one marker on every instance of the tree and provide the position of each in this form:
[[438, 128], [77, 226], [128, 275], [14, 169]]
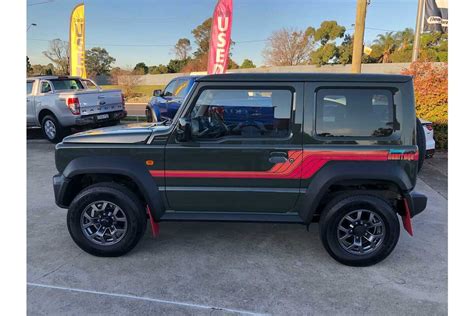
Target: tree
[[287, 47], [182, 49], [325, 37], [29, 69], [141, 68], [58, 53], [434, 47], [160, 69], [202, 36], [327, 31], [176, 65], [247, 63], [324, 54], [384, 46], [98, 61]]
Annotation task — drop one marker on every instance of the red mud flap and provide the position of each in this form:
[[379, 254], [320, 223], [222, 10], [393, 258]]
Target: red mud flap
[[407, 218], [155, 227]]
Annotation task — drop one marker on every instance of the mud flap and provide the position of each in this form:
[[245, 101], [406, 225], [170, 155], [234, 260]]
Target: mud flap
[[406, 218], [155, 227]]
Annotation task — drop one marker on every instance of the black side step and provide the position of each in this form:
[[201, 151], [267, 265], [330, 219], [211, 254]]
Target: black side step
[[231, 217]]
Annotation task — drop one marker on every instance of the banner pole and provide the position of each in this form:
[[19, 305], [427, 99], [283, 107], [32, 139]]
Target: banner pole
[[418, 30]]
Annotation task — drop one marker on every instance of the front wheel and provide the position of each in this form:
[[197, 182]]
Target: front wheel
[[106, 220], [359, 230]]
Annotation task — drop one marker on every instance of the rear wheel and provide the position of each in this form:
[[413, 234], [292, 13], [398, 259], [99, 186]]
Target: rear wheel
[[106, 219], [359, 230], [52, 130], [421, 142]]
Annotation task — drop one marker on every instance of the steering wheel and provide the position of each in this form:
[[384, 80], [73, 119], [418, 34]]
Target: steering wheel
[[250, 123]]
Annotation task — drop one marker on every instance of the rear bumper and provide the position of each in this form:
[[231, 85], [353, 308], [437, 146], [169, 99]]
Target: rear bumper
[[416, 203], [93, 119]]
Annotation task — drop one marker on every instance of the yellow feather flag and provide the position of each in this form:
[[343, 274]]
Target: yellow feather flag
[[77, 42]]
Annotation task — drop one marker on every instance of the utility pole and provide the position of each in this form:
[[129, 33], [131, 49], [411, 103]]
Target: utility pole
[[419, 21], [361, 11]]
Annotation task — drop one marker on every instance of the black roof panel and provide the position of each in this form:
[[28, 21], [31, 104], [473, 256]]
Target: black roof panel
[[305, 77]]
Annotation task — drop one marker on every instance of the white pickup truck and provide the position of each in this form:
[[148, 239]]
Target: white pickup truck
[[58, 103]]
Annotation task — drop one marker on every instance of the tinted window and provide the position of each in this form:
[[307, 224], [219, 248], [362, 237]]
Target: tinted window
[[169, 90], [45, 87], [89, 85], [29, 87], [355, 112], [242, 113], [67, 84]]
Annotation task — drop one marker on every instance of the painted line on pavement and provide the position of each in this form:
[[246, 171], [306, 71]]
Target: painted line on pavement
[[142, 298]]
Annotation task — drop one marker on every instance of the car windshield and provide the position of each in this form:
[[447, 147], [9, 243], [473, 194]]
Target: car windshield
[[67, 84]]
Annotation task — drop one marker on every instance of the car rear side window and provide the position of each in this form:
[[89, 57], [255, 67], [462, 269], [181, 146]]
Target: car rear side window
[[246, 113], [67, 84], [355, 112], [29, 87]]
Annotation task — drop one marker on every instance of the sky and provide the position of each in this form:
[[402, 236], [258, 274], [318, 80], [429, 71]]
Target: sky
[[134, 31]]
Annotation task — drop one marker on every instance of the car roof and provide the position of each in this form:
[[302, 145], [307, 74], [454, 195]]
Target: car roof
[[305, 77], [188, 77], [53, 77]]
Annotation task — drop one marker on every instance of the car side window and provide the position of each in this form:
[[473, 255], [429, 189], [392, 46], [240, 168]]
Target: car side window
[[29, 87], [351, 112], [181, 88], [45, 87], [244, 113], [169, 89]]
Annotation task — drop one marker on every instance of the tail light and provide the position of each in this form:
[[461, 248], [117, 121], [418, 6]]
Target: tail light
[[429, 127], [74, 105]]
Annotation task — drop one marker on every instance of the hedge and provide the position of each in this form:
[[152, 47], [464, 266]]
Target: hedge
[[431, 94]]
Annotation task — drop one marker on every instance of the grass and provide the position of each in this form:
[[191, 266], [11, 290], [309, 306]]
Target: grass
[[140, 93]]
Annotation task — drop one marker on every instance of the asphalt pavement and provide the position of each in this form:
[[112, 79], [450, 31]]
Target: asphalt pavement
[[227, 268]]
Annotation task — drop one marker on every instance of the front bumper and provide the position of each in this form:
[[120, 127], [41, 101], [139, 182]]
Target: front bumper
[[93, 119]]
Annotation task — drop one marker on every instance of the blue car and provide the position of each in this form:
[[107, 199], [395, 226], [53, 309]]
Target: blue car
[[255, 109], [164, 104]]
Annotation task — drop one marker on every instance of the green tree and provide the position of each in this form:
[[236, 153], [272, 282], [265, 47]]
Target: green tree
[[98, 62], [327, 31], [160, 69], [325, 37], [141, 68], [434, 47], [324, 54], [176, 65], [384, 46], [202, 36], [182, 49], [247, 63]]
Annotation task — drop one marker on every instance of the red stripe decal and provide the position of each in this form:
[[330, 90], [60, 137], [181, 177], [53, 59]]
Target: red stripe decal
[[300, 165]]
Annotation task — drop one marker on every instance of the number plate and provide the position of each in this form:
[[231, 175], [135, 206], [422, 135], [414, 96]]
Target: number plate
[[102, 116]]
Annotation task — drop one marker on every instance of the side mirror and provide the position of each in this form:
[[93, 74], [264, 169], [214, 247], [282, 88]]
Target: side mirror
[[157, 93], [183, 132]]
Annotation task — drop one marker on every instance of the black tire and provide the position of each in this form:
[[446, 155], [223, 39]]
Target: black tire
[[341, 206], [421, 142], [48, 123], [149, 115], [133, 209]]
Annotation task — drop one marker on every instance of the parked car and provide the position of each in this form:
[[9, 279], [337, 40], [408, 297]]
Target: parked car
[[429, 135], [164, 104], [341, 150], [58, 103]]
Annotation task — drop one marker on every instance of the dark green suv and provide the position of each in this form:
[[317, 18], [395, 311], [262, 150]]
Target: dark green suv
[[339, 149]]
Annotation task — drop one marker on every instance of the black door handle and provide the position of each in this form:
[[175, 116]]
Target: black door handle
[[278, 157]]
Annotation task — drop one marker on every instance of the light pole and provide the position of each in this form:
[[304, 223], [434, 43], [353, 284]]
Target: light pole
[[419, 22], [359, 35], [32, 24]]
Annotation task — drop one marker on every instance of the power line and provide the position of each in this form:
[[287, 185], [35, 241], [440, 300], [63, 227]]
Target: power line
[[37, 3]]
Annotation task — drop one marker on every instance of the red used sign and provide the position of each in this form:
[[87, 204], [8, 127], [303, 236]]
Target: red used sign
[[219, 44]]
